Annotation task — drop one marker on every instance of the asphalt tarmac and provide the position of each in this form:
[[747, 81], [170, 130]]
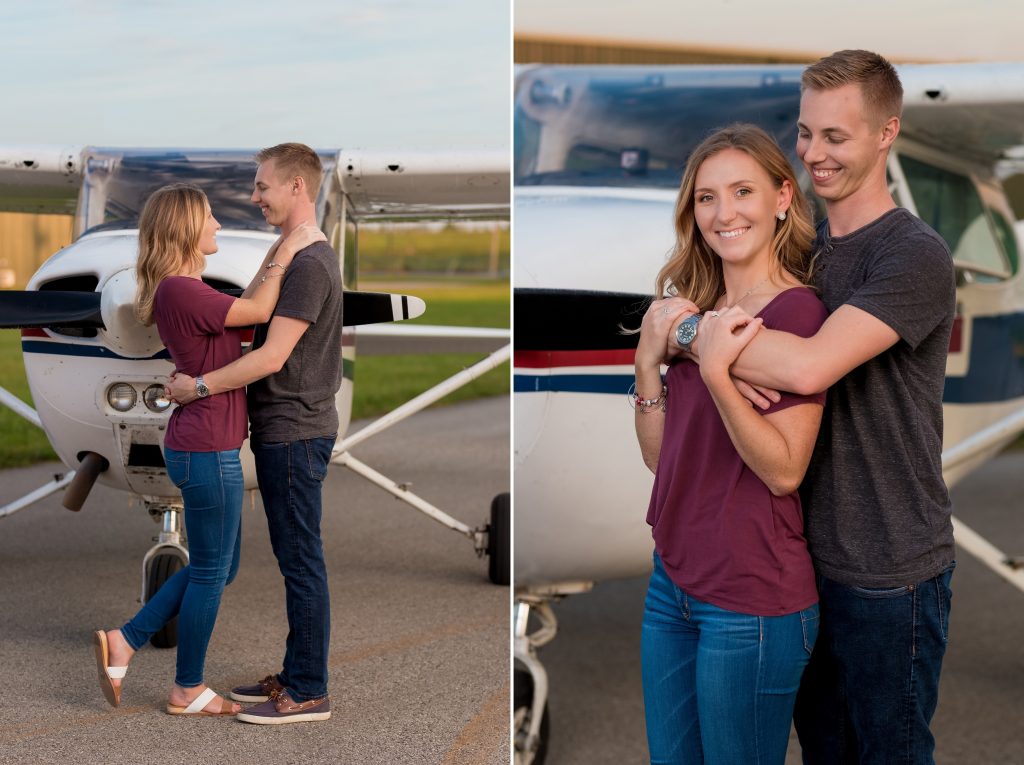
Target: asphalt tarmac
[[419, 652], [596, 709]]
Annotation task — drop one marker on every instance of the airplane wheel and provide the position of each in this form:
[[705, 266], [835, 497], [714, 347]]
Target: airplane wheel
[[523, 701], [162, 568], [499, 540]]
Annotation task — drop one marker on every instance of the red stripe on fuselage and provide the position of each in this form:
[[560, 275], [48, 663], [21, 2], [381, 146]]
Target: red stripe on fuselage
[[548, 359], [33, 332], [956, 337]]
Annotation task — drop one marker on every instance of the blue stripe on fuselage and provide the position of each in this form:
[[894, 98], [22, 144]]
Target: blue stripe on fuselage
[[995, 370], [74, 349]]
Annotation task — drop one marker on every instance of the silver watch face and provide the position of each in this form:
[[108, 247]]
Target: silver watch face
[[201, 390], [687, 331]]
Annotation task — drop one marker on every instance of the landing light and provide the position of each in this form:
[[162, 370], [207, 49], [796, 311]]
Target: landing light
[[155, 399], [121, 396]]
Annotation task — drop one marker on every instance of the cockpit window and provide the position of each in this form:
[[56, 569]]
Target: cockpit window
[[636, 125], [117, 184], [950, 204]]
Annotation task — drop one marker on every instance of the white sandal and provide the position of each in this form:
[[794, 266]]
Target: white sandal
[[111, 692], [198, 706]]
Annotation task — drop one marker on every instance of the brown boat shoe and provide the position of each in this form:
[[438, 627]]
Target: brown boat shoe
[[283, 709]]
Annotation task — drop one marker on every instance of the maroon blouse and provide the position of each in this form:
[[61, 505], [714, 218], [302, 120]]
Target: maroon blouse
[[190, 318], [721, 534]]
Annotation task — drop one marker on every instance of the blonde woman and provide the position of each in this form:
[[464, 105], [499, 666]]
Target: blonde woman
[[731, 611], [199, 326]]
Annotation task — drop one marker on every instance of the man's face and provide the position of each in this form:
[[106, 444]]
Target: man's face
[[836, 143], [273, 193]]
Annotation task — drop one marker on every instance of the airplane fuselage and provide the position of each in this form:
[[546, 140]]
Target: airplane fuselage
[[71, 371]]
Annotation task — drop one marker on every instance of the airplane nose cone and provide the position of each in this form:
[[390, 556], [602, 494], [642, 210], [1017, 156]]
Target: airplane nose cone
[[124, 334]]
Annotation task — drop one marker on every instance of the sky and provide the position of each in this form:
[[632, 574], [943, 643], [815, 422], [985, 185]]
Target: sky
[[372, 74], [920, 30]]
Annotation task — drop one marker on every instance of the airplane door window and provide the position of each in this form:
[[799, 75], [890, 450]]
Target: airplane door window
[[950, 204]]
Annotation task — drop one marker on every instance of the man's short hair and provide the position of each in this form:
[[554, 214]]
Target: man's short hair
[[296, 159], [879, 83]]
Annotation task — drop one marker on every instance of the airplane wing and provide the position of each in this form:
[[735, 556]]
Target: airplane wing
[[976, 109], [426, 184], [379, 184], [40, 179]]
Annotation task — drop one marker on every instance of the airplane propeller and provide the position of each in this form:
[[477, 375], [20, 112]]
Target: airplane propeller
[[45, 308], [588, 320]]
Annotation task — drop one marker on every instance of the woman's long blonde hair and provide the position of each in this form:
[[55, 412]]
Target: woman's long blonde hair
[[170, 227], [693, 270]]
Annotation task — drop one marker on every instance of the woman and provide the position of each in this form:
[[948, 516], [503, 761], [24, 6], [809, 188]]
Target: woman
[[198, 324], [731, 611]]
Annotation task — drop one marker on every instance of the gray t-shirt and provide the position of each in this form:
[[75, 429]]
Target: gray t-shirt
[[877, 510], [297, 402]]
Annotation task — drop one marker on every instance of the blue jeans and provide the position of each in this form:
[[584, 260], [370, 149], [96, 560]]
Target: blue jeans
[[873, 682], [211, 485], [719, 686], [291, 476]]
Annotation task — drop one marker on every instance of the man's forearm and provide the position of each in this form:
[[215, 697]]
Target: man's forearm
[[253, 366], [776, 360]]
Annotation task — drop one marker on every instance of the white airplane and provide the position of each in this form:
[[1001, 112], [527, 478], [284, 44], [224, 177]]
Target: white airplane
[[96, 374], [599, 152]]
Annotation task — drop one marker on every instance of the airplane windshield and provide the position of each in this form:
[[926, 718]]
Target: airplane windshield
[[117, 184], [636, 125]]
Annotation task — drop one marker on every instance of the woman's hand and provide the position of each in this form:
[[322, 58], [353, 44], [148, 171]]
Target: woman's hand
[[301, 237], [660, 322], [724, 335]]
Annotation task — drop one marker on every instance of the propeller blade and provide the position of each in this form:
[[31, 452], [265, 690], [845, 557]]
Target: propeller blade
[[46, 308], [583, 320], [371, 307]]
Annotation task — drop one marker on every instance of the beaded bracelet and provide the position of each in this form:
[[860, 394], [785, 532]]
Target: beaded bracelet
[[647, 405]]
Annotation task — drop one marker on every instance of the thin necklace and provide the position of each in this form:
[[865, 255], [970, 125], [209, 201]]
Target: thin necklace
[[748, 292]]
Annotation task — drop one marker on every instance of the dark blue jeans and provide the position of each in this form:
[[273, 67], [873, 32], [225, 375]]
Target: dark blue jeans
[[291, 477], [719, 686], [872, 685], [211, 485]]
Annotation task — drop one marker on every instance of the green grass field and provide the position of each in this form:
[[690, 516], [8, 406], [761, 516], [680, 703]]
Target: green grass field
[[382, 382], [448, 251], [21, 443]]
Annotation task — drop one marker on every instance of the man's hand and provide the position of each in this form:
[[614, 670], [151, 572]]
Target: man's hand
[[757, 395], [180, 388]]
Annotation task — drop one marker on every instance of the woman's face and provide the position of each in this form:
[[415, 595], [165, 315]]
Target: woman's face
[[734, 203], [208, 239]]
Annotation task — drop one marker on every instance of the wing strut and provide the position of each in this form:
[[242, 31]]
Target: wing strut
[[341, 455]]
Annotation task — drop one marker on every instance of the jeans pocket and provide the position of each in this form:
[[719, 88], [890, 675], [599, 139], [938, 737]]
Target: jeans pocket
[[880, 593], [268, 445], [944, 599], [177, 467], [810, 621], [318, 455]]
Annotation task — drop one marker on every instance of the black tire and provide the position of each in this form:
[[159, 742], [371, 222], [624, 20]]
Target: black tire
[[161, 568], [499, 540], [522, 695]]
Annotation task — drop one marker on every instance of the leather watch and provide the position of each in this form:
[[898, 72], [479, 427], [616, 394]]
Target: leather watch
[[201, 390], [687, 331]]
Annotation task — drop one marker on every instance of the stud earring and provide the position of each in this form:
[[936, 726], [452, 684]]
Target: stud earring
[[781, 215]]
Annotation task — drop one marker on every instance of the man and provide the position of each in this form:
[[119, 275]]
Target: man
[[877, 510], [292, 374]]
